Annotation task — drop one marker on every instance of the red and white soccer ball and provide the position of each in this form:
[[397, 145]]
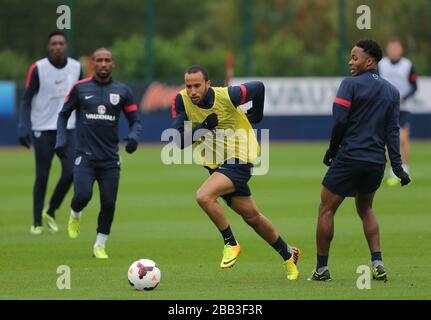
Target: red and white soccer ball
[[144, 274]]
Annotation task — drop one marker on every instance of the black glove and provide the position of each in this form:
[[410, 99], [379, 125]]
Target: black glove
[[329, 157], [61, 152], [210, 122], [24, 140], [403, 176], [131, 145], [253, 116]]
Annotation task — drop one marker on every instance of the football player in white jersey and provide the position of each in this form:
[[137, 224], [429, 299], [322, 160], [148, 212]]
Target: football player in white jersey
[[48, 81], [400, 72]]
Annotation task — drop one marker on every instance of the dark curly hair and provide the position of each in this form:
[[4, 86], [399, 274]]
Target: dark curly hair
[[372, 48], [197, 69], [56, 33]]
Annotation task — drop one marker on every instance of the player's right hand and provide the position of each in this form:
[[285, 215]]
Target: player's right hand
[[403, 176], [210, 122], [329, 157], [25, 141], [61, 152]]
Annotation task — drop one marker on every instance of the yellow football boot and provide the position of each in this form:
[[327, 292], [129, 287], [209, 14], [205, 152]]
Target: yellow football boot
[[50, 222], [230, 255], [100, 253], [36, 230], [290, 265], [73, 227]]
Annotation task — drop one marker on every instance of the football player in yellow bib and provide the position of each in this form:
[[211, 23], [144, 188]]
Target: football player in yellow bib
[[227, 147]]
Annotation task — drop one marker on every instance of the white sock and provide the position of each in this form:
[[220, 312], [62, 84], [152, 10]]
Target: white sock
[[101, 240], [75, 215], [322, 269], [375, 263]]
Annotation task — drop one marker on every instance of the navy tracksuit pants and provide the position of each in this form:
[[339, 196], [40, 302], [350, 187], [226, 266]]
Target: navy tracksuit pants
[[44, 145], [107, 175]]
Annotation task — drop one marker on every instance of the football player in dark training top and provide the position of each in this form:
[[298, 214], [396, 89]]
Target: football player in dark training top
[[366, 121], [98, 101]]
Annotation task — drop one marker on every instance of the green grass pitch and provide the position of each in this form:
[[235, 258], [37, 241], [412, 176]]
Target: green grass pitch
[[158, 218]]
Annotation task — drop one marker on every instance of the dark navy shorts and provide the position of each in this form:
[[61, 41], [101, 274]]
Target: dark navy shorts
[[239, 174], [350, 178], [405, 118]]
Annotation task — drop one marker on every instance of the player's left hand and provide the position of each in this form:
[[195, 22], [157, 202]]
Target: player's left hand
[[329, 157], [403, 176], [131, 145]]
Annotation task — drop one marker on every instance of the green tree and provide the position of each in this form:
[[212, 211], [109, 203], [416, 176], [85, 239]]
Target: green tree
[[295, 37], [13, 66]]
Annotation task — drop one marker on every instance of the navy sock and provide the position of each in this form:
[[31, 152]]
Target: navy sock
[[228, 236], [282, 248], [322, 261], [376, 256]]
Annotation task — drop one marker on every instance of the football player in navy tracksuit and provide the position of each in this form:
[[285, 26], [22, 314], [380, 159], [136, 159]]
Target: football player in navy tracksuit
[[98, 101], [366, 121], [48, 82]]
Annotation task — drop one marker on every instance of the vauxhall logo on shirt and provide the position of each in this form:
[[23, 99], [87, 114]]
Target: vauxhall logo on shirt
[[101, 110], [114, 99]]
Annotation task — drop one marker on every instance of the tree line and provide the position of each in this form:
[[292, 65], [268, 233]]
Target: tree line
[[286, 38]]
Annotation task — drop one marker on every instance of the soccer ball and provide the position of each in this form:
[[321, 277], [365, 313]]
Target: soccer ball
[[144, 274]]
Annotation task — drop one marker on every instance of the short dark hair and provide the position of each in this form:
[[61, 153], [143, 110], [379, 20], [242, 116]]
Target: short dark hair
[[56, 33], [372, 48], [394, 39], [101, 49], [197, 69]]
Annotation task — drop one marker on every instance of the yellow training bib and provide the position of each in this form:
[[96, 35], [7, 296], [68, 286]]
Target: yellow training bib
[[232, 138]]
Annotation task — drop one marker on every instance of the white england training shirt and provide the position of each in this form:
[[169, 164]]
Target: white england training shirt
[[54, 84], [398, 74]]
